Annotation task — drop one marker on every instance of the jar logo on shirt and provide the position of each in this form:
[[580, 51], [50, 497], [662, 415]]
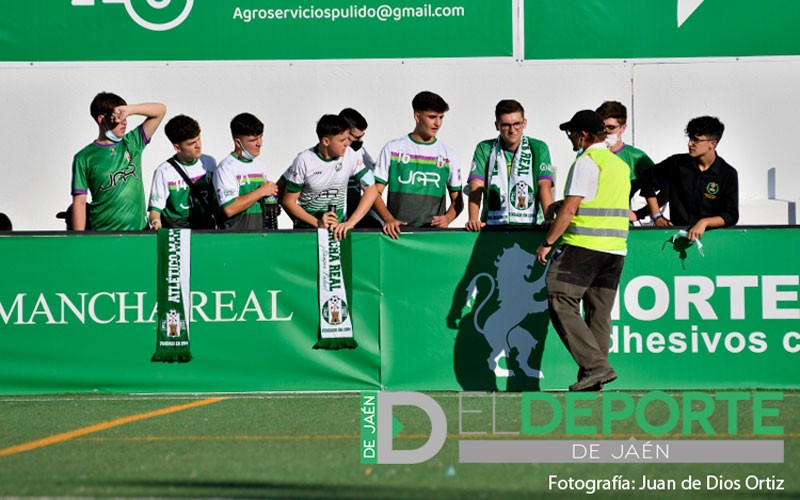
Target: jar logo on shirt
[[325, 194], [415, 178], [120, 177]]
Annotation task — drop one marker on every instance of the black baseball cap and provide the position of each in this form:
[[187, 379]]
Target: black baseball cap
[[584, 121]]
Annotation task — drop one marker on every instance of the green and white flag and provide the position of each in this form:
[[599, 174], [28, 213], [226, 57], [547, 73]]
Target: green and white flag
[[335, 327], [172, 327]]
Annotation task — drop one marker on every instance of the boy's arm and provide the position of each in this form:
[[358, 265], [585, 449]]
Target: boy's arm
[[152, 111], [79, 212], [154, 220], [456, 206], [391, 226], [292, 208], [245, 201], [545, 193], [367, 200], [476, 188]]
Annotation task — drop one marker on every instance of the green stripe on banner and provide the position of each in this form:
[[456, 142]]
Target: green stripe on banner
[[173, 291]]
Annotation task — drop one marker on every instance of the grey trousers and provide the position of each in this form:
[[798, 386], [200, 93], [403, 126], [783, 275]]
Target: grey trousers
[[581, 275]]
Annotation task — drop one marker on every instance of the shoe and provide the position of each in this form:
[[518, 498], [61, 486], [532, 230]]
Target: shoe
[[590, 381]]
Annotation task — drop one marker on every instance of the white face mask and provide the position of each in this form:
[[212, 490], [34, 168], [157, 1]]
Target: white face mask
[[612, 140], [246, 154], [111, 136]]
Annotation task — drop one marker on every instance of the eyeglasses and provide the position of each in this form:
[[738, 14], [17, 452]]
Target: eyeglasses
[[611, 128], [697, 140], [509, 126]]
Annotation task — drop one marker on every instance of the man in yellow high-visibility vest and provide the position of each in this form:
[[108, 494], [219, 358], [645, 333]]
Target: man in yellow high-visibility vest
[[586, 267]]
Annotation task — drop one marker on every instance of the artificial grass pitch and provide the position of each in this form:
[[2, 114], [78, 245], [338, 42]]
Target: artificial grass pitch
[[307, 446]]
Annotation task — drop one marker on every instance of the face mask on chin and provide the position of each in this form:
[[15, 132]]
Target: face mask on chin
[[246, 154], [111, 136]]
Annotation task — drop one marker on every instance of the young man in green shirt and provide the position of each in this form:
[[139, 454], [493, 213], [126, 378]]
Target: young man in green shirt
[[615, 118], [514, 170], [110, 168]]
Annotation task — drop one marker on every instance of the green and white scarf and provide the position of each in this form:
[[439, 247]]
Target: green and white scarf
[[517, 193], [335, 327], [172, 327]]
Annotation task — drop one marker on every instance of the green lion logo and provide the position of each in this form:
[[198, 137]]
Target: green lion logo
[[712, 188]]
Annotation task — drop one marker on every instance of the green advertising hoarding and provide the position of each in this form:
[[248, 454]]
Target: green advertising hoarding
[[169, 30], [625, 29], [478, 320], [78, 314], [431, 311]]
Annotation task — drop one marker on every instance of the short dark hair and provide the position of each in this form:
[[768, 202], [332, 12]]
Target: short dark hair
[[104, 103], [330, 125], [246, 124], [181, 128], [508, 106], [709, 126], [613, 109], [428, 101], [354, 118]]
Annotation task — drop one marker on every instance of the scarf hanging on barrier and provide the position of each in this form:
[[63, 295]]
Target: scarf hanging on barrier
[[335, 327], [172, 327], [516, 189]]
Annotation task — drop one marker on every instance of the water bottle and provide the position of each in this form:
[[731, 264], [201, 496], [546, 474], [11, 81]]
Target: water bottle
[[269, 212]]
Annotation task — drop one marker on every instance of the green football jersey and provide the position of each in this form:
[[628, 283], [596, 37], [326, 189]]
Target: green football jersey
[[112, 174]]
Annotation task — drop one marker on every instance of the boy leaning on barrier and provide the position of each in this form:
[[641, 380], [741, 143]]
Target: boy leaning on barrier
[[515, 172], [318, 178], [703, 188], [420, 172], [182, 193], [110, 168], [240, 180]]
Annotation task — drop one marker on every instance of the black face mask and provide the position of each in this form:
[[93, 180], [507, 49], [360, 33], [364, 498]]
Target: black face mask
[[356, 145]]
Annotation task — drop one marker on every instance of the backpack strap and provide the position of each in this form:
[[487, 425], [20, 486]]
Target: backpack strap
[[192, 186]]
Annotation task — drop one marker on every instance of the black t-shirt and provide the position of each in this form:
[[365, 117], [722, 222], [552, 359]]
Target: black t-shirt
[[694, 195]]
